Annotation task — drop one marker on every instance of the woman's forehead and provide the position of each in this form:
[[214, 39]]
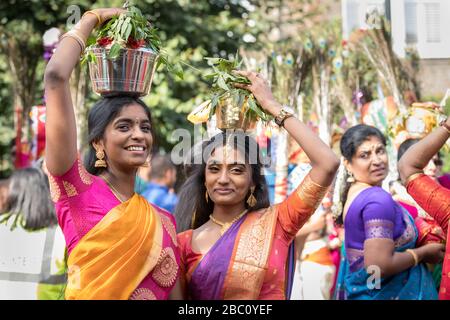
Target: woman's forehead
[[133, 111], [371, 143], [226, 154]]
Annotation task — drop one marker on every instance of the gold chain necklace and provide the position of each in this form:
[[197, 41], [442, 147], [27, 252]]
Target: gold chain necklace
[[226, 225], [114, 191]]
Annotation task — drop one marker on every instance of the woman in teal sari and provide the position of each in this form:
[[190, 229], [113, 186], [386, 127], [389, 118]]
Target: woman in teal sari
[[380, 258]]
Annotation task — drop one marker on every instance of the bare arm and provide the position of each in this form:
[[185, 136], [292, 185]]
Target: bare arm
[[381, 253], [323, 160], [60, 126], [418, 156]]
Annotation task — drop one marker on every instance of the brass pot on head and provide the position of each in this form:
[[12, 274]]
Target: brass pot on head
[[231, 113]]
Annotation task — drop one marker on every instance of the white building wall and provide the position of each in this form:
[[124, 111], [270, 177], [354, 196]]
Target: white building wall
[[430, 19]]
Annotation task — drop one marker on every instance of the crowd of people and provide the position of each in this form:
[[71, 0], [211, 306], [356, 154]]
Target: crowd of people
[[109, 225]]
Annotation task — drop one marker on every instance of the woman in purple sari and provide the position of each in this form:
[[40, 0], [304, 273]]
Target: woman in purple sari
[[380, 259], [238, 246]]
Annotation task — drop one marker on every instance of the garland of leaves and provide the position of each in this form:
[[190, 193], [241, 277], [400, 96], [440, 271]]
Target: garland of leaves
[[130, 30], [223, 78]]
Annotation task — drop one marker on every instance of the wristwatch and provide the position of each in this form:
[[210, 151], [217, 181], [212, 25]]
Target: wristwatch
[[444, 124], [286, 112]]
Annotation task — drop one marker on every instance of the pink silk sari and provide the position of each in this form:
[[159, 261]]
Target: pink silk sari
[[83, 200]]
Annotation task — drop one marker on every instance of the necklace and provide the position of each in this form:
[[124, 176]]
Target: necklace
[[114, 191], [226, 225]]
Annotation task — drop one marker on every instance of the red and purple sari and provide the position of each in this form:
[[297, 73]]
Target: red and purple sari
[[250, 260]]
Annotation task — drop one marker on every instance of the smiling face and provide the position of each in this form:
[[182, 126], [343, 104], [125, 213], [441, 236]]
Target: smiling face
[[369, 164], [127, 139], [227, 177]]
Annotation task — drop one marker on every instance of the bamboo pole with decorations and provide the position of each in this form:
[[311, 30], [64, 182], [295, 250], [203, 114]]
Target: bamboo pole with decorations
[[321, 50], [288, 67]]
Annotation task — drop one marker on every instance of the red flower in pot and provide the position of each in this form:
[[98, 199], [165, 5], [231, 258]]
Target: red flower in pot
[[104, 41], [135, 44]]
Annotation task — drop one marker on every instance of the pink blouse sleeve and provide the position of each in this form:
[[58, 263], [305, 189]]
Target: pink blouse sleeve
[[299, 206], [74, 182]]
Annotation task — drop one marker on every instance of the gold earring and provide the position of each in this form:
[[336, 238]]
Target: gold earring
[[350, 178], [145, 164], [251, 201], [100, 163], [206, 196]]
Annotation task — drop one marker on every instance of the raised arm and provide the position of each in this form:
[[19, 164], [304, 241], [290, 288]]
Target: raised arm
[[323, 160], [60, 126], [418, 155]]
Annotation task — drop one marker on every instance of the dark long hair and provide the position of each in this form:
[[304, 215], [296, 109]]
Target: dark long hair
[[192, 210], [29, 200], [101, 114], [350, 142]]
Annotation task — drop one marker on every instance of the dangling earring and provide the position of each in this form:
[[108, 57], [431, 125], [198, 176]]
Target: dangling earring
[[206, 196], [350, 178], [251, 201], [100, 163], [145, 164]]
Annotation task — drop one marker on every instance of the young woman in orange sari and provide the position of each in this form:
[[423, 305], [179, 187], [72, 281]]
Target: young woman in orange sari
[[238, 246], [119, 245], [427, 192]]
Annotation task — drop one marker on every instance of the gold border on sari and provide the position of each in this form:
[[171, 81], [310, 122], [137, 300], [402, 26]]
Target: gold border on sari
[[250, 259], [413, 177]]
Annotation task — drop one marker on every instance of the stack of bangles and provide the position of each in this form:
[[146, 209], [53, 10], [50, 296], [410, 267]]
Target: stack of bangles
[[79, 39], [74, 34]]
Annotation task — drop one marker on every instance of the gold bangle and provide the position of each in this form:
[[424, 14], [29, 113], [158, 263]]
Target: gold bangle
[[96, 14], [74, 35], [444, 125], [414, 255], [81, 42]]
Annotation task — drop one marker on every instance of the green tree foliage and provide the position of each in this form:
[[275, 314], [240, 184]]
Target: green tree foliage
[[190, 31]]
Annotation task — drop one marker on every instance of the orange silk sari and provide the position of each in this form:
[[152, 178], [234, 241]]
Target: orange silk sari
[[112, 259]]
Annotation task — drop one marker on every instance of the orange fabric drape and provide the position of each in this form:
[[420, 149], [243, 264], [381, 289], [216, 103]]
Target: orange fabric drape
[[113, 258]]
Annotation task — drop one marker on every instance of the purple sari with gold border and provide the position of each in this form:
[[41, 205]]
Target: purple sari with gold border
[[250, 261]]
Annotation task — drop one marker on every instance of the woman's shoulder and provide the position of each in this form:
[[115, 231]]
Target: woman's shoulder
[[184, 239], [261, 211], [185, 234], [375, 194], [72, 183], [167, 218], [369, 199], [377, 203], [162, 212]]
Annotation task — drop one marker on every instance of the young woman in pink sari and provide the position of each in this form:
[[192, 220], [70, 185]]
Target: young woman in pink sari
[[238, 246], [119, 245], [427, 192]]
